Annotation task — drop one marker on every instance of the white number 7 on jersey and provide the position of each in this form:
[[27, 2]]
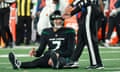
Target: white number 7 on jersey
[[58, 44]]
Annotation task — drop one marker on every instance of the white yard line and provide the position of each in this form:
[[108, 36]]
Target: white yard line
[[114, 69], [17, 55], [29, 47], [106, 52], [115, 59], [27, 55], [21, 47], [106, 68]]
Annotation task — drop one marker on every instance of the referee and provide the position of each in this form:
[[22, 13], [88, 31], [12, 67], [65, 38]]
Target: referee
[[24, 21], [87, 33], [4, 21]]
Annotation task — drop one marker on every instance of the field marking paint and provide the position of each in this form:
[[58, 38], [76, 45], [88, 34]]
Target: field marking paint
[[17, 55], [114, 69], [106, 68], [29, 47], [115, 59], [27, 55]]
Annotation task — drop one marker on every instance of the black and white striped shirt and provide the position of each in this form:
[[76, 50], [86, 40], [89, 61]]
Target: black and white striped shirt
[[80, 4], [76, 2]]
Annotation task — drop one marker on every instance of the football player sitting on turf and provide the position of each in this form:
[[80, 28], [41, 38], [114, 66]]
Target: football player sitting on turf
[[60, 42]]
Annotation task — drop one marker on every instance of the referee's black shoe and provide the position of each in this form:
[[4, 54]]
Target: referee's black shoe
[[95, 67], [15, 63]]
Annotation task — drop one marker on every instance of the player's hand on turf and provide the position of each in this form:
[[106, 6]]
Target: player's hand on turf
[[50, 62], [32, 52]]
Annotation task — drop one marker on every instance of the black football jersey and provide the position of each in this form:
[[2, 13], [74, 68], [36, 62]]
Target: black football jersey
[[62, 41]]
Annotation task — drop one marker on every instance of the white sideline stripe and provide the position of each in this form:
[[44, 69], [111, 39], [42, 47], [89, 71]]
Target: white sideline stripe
[[82, 60], [22, 47], [27, 55], [114, 69], [115, 59], [107, 68], [29, 47], [107, 52], [17, 55]]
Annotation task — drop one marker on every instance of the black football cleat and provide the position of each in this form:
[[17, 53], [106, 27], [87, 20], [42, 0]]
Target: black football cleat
[[15, 63]]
